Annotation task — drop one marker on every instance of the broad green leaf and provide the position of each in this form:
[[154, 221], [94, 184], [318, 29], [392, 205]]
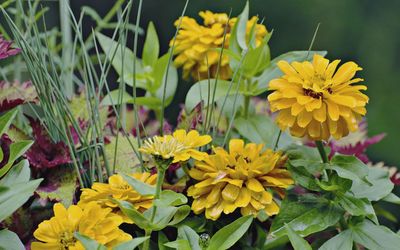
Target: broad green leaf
[[15, 196], [374, 237], [17, 174], [151, 46], [17, 149], [199, 92], [342, 241], [273, 70], [6, 120], [307, 157], [256, 60], [181, 244], [164, 216], [261, 129], [297, 242], [89, 243], [139, 219], [187, 233], [112, 98], [113, 51], [356, 206], [170, 198], [305, 215], [242, 27], [303, 178], [227, 236], [141, 187], [380, 188], [160, 75], [349, 167], [10, 241], [132, 244]]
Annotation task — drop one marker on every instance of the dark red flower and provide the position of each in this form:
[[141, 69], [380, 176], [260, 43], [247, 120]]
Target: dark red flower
[[44, 153], [6, 49]]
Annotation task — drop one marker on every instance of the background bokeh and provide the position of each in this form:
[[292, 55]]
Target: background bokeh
[[365, 31]]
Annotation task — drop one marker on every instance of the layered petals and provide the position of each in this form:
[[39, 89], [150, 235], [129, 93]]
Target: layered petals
[[318, 99]]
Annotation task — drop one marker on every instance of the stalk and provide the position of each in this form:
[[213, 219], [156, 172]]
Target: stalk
[[321, 151], [67, 49]]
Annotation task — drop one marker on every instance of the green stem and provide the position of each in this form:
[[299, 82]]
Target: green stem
[[246, 106], [277, 140], [146, 244], [321, 151], [160, 181], [67, 48]]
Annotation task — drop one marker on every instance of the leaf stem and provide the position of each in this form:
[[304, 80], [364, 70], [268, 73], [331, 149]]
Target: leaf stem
[[146, 244], [160, 180], [277, 140], [321, 151], [246, 106]]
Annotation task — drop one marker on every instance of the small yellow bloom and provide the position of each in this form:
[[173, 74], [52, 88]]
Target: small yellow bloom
[[119, 189], [316, 100], [241, 178], [93, 221], [196, 44], [180, 146]]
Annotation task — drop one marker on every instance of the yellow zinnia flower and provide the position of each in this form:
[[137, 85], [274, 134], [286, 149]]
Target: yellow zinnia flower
[[196, 44], [316, 100], [119, 189], [178, 147], [93, 221], [241, 178]]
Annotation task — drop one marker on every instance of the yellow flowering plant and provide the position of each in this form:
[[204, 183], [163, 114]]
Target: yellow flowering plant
[[264, 153]]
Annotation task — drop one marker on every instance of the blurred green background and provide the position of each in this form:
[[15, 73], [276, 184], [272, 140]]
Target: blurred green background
[[365, 31]]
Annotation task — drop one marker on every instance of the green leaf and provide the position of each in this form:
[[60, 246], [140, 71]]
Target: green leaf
[[17, 149], [139, 219], [9, 240], [305, 215], [261, 129], [380, 188], [187, 233], [297, 242], [15, 196], [160, 74], [111, 47], [227, 236], [356, 206], [151, 46], [392, 198], [342, 241], [179, 244], [242, 27], [141, 187], [161, 240], [112, 98], [6, 120], [132, 244], [374, 237], [199, 92], [307, 157], [256, 61], [349, 167], [89, 243], [17, 174], [170, 198], [273, 70]]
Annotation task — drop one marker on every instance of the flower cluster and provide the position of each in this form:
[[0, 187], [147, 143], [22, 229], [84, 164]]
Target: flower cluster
[[316, 100], [6, 49], [196, 45], [242, 178]]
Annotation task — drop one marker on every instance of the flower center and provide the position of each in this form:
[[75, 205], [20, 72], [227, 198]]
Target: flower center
[[67, 239], [165, 146]]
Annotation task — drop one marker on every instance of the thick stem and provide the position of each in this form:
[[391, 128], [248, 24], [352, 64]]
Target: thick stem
[[146, 244], [321, 151], [160, 181]]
